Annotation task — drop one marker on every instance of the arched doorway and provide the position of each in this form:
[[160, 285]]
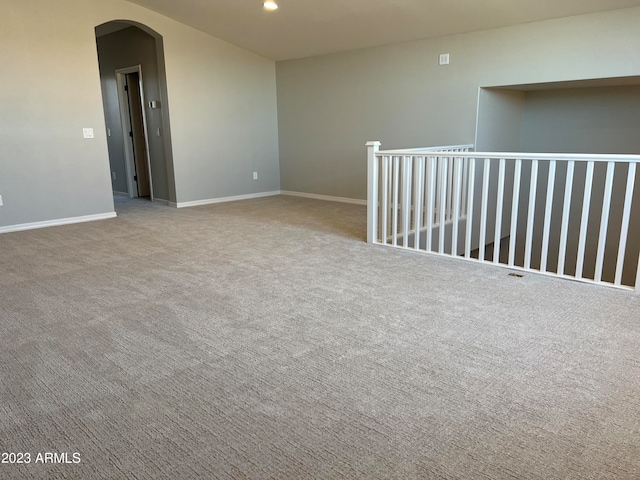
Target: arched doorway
[[133, 82]]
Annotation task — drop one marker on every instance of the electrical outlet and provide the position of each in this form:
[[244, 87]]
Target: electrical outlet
[[87, 132], [1, 204], [444, 59], [255, 175]]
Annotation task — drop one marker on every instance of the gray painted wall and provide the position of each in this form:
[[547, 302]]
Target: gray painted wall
[[222, 109], [585, 120], [49, 91], [127, 48], [582, 120], [329, 106], [499, 120], [223, 118]]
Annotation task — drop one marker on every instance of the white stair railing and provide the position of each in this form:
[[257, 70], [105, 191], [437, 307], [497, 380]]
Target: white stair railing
[[555, 214]]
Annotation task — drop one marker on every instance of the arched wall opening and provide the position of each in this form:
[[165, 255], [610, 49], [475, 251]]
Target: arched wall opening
[[131, 61]]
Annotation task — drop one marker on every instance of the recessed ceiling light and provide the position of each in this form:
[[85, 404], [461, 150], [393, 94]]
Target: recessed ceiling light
[[270, 5]]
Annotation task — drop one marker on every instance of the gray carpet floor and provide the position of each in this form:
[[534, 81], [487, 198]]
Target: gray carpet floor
[[266, 339]]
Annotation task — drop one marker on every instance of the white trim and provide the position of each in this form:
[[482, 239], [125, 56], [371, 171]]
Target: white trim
[[162, 201], [57, 222], [120, 194], [234, 198], [328, 198], [209, 201]]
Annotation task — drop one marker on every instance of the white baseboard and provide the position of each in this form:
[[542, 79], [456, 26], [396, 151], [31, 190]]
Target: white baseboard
[[328, 198], [234, 198], [57, 222], [162, 201], [120, 194]]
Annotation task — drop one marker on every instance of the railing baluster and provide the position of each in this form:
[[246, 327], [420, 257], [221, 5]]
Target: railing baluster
[[584, 222], [465, 176], [499, 207], [373, 201], [431, 192], [384, 204], [390, 197], [531, 214], [439, 187], [443, 204], [624, 229], [517, 174], [457, 182], [604, 220], [566, 210], [392, 201], [418, 188], [394, 213], [450, 188], [406, 198], [483, 208], [551, 179], [469, 223]]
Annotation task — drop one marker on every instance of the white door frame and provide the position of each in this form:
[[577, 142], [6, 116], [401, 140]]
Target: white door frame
[[123, 102]]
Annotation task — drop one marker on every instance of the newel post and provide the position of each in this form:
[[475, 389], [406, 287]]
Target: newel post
[[372, 191]]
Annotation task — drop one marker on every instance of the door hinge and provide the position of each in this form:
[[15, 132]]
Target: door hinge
[[135, 178], [126, 88], [131, 134]]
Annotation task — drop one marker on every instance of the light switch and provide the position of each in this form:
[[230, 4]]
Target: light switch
[[87, 132]]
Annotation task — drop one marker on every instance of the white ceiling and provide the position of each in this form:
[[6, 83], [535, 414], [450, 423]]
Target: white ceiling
[[303, 28]]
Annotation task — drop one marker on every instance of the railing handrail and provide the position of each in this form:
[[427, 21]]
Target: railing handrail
[[586, 157], [439, 148]]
